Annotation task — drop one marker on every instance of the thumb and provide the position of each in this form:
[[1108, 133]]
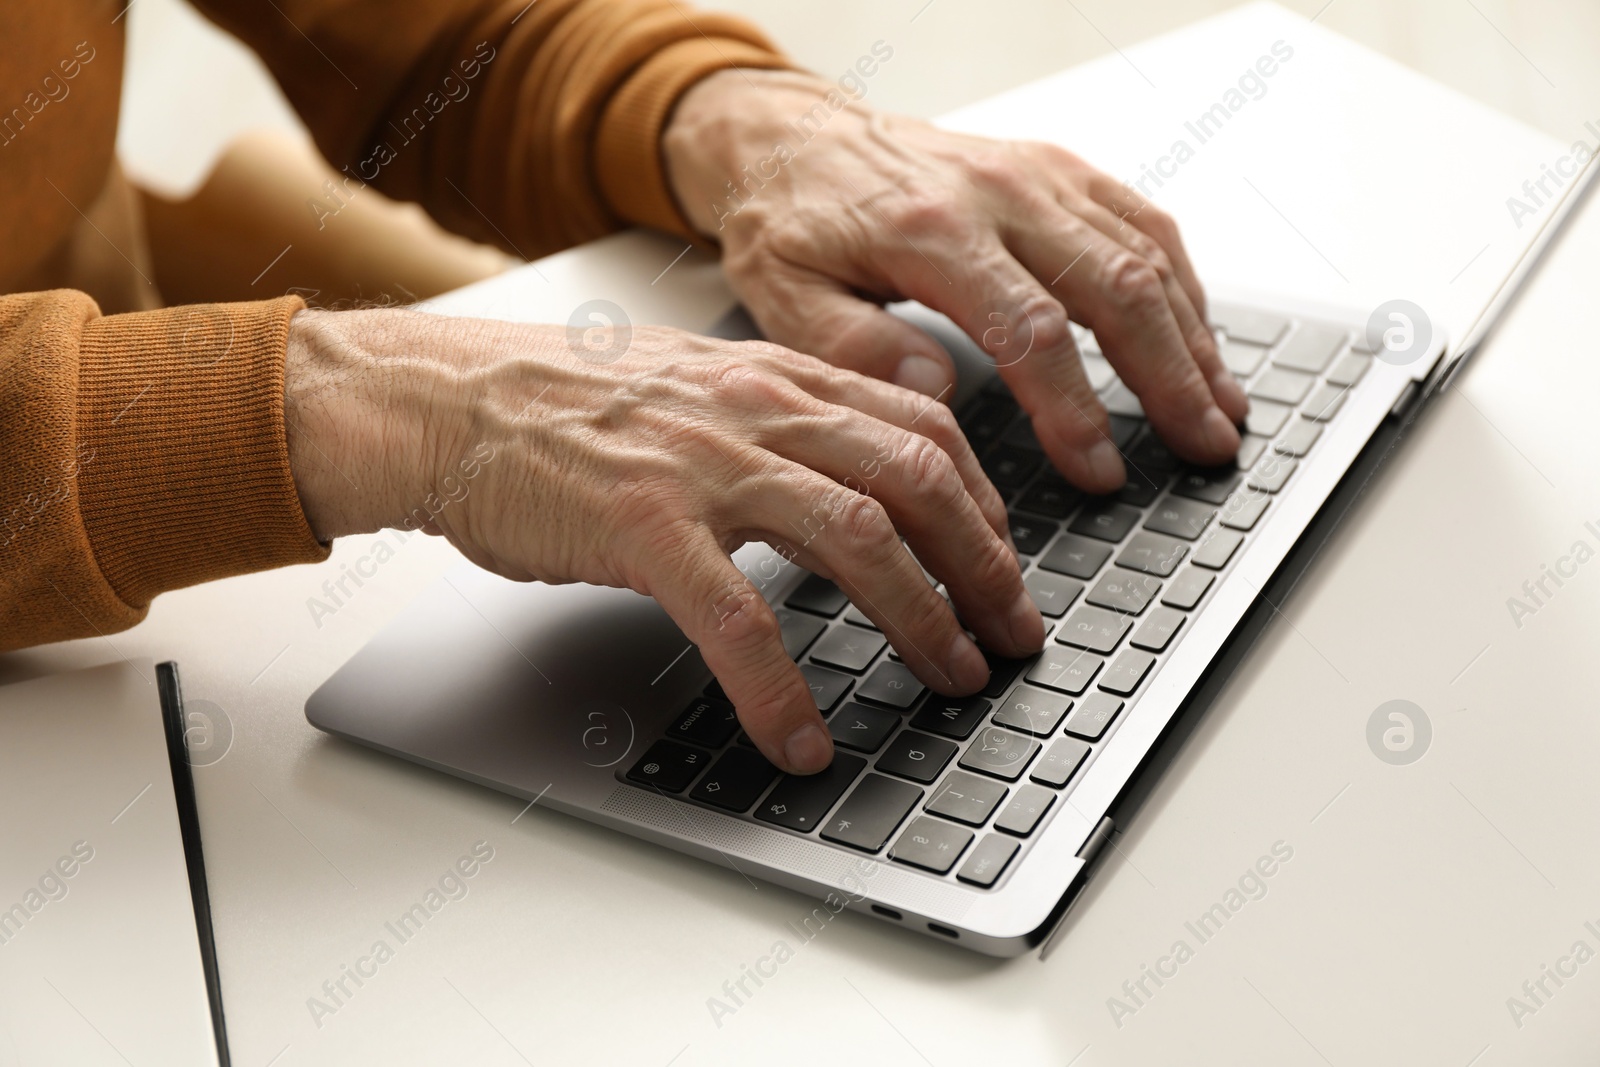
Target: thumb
[[814, 314]]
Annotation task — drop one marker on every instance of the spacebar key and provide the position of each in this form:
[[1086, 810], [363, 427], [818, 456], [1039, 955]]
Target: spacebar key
[[799, 802], [874, 809]]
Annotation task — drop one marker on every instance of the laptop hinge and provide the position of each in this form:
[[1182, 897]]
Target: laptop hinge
[[1089, 853]]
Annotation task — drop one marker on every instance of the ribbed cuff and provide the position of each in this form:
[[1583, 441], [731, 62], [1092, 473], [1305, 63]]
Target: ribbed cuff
[[180, 413], [628, 159]]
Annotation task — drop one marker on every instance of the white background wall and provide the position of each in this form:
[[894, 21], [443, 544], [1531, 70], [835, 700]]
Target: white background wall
[[191, 89]]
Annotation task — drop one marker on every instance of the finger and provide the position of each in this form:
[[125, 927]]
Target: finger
[[968, 275], [909, 411], [738, 636], [810, 312], [1191, 323], [1130, 206], [1121, 297], [919, 485], [849, 538]]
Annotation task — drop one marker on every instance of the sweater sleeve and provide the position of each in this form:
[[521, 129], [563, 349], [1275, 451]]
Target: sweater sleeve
[[530, 125], [138, 453]]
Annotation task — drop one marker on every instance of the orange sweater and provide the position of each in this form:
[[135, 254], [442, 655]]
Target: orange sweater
[[145, 451]]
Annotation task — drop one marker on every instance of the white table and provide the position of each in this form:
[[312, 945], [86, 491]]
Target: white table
[[1418, 899]]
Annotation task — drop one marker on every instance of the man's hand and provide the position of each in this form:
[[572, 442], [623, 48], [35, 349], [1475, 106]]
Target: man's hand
[[831, 213], [648, 471]]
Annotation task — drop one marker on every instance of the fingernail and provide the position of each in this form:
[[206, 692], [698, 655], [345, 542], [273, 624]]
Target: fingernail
[[1027, 628], [1219, 433], [968, 669], [923, 375], [808, 750], [1230, 394], [1105, 464]]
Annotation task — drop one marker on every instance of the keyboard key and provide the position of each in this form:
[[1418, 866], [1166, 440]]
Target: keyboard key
[[1266, 418], [827, 687], [1250, 449], [1249, 324], [1125, 591], [1359, 343], [1095, 629], [931, 844], [862, 728], [849, 648], [1187, 589], [1034, 711], [1051, 497], [1310, 348], [1152, 454], [1325, 402], [1105, 520], [967, 798], [799, 630], [1243, 510], [920, 757], [1141, 487], [1027, 807], [1052, 594], [1157, 630], [1217, 548], [988, 861], [1075, 556], [1098, 710], [1271, 473], [1065, 669], [871, 813], [1179, 517], [1002, 672], [999, 752], [1031, 535], [1010, 468], [819, 596], [1060, 760], [986, 420], [1121, 678], [669, 766], [853, 616], [1152, 554], [1242, 357], [1210, 484], [892, 684], [953, 717], [800, 801], [708, 721], [1349, 370], [1301, 436], [1282, 386], [735, 780]]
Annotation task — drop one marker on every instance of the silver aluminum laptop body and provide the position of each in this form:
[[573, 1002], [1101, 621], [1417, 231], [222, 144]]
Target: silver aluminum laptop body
[[556, 692]]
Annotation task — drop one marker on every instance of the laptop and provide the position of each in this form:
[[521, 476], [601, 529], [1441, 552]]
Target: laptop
[[976, 821]]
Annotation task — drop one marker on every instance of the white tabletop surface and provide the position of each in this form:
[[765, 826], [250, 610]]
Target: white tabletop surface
[[1418, 898]]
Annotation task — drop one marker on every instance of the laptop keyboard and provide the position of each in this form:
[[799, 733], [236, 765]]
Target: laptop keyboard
[[958, 786]]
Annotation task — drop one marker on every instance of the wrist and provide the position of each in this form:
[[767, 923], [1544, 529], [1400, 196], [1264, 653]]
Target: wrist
[[357, 419]]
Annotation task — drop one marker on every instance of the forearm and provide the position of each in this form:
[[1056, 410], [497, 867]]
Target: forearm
[[532, 127]]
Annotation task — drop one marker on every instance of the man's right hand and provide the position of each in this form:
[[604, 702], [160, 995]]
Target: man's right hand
[[647, 472]]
